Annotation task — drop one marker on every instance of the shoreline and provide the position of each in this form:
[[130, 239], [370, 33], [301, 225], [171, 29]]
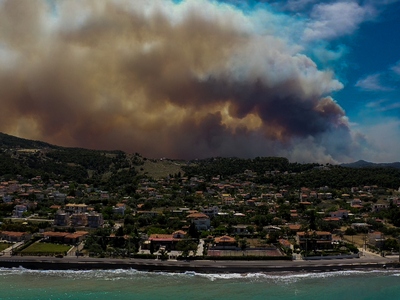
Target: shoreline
[[198, 266]]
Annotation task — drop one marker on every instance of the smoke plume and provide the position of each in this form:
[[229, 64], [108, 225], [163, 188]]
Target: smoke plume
[[181, 80]]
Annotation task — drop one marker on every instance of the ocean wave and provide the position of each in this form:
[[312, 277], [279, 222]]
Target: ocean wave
[[120, 274]]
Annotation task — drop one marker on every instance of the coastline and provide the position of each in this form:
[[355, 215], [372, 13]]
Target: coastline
[[198, 266]]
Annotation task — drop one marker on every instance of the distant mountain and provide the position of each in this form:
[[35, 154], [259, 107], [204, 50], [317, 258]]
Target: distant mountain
[[367, 164], [29, 158]]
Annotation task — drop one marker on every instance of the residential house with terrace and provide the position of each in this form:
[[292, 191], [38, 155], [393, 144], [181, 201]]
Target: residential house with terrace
[[168, 241], [314, 240]]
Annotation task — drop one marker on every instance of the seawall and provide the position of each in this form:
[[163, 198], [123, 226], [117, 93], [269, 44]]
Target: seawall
[[191, 266]]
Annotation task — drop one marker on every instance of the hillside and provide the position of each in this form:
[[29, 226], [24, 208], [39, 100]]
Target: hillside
[[366, 164], [9, 141], [114, 170]]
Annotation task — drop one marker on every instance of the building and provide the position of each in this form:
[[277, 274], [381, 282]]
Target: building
[[65, 237], [241, 229], [13, 236], [168, 241], [341, 213], [377, 207], [376, 239], [19, 211], [95, 220], [79, 220], [119, 208], [61, 218], [225, 242], [76, 208], [200, 220], [314, 240], [210, 211]]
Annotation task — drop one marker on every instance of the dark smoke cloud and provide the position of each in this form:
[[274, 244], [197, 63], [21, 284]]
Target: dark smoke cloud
[[185, 80]]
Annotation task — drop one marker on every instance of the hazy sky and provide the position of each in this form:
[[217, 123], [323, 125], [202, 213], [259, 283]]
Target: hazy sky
[[309, 80]]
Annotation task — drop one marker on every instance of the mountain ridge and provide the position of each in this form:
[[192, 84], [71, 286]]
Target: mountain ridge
[[7, 141], [366, 164]]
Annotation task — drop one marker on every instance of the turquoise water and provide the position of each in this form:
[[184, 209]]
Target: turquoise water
[[131, 284]]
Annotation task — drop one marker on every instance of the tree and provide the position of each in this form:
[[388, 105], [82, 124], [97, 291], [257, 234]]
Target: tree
[[243, 244], [152, 248], [129, 220], [193, 232], [186, 245], [120, 231], [273, 237], [350, 231], [391, 244]]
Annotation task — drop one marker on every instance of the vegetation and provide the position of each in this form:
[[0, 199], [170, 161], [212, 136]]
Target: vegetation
[[4, 246], [256, 199], [295, 174], [45, 249]]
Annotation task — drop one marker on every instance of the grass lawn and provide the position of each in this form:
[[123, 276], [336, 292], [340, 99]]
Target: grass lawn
[[46, 248], [4, 246], [160, 169]]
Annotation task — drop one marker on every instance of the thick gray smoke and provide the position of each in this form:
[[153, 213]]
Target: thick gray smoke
[[187, 80]]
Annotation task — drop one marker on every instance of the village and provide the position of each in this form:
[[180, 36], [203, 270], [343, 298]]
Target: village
[[181, 217]]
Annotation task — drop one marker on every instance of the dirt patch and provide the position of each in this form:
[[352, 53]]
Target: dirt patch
[[160, 168]]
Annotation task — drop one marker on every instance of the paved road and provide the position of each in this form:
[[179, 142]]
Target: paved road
[[206, 266], [7, 252]]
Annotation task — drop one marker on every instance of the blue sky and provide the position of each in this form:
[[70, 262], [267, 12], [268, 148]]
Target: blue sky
[[313, 81], [365, 48]]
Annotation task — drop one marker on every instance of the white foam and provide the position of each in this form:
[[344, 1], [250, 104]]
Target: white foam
[[118, 274]]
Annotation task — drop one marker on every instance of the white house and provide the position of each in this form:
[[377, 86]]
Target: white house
[[200, 220]]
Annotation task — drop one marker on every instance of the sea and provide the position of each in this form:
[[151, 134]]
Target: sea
[[21, 283]]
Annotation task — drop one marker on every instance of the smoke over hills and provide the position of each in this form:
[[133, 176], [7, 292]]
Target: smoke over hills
[[188, 80]]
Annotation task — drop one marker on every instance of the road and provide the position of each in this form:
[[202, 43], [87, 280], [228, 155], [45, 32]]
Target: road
[[201, 266]]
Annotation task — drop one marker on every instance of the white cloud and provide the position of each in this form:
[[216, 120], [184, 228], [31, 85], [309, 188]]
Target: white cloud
[[372, 83], [329, 21], [376, 104], [383, 105], [383, 139], [326, 55]]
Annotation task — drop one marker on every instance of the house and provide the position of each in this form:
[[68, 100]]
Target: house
[[341, 213], [376, 239], [95, 220], [168, 241], [225, 242], [285, 244], [7, 198], [65, 237], [119, 208], [19, 210], [61, 218], [240, 229], [75, 237], [314, 240], [331, 219], [272, 228], [200, 220], [377, 207], [210, 211], [294, 228], [13, 236]]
